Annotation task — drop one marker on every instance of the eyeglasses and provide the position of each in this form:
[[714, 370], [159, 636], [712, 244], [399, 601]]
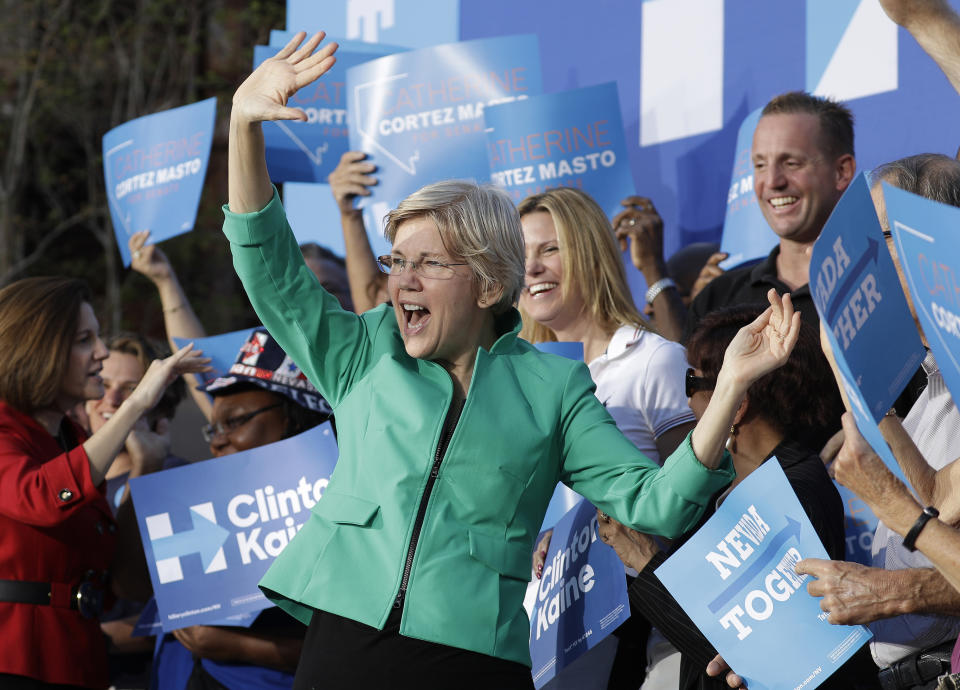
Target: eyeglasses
[[696, 383], [426, 268], [231, 424]]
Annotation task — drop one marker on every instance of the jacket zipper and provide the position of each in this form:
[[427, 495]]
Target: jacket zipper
[[449, 425]]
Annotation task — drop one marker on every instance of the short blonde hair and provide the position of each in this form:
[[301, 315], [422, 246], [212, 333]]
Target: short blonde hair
[[478, 223], [591, 260]]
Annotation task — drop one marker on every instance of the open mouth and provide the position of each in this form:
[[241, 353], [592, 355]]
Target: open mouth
[[540, 290], [783, 202], [416, 317]]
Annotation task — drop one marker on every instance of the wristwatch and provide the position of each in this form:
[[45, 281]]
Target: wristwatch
[[909, 541]]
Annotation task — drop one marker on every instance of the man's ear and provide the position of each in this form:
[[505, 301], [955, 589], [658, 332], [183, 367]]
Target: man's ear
[[845, 168]]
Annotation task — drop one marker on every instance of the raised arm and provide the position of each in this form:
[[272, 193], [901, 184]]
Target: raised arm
[[263, 96], [935, 26], [179, 319], [350, 179], [757, 349]]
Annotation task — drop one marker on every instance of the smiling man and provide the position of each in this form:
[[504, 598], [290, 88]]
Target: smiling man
[[803, 161]]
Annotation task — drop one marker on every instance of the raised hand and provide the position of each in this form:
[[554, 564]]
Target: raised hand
[[350, 179], [264, 94], [711, 269], [642, 225], [161, 374], [149, 259], [765, 344]]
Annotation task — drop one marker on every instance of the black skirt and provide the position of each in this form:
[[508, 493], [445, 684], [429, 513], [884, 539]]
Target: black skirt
[[339, 653]]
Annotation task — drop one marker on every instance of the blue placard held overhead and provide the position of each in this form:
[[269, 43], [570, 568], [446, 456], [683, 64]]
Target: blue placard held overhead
[[927, 237], [211, 529], [735, 579], [581, 597], [746, 234], [572, 138], [419, 115], [153, 168], [309, 151]]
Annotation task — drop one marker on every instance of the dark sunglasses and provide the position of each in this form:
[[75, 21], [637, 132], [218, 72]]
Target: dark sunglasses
[[696, 383]]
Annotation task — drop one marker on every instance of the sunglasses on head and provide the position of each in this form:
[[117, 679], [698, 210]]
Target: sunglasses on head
[[696, 383]]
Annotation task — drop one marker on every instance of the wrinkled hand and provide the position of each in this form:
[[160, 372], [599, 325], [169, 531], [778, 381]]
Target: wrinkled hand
[[634, 548], [149, 259], [762, 346], [148, 448], [710, 270], [264, 94], [209, 642], [643, 226], [540, 553], [852, 593], [719, 666], [162, 373], [861, 470], [350, 179]]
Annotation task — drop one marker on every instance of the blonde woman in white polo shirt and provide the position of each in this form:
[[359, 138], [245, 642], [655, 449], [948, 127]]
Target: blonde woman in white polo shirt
[[576, 290]]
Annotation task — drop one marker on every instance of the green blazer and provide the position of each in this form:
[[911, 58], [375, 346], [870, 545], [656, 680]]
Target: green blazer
[[529, 421]]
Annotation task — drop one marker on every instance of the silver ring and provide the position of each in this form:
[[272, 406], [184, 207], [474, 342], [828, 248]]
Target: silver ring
[[603, 516], [136, 254], [633, 221]]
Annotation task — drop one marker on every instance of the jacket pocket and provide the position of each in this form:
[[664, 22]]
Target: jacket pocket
[[497, 554], [344, 509]]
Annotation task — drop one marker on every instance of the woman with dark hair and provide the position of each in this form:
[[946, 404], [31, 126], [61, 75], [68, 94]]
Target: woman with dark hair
[[58, 537], [786, 414]]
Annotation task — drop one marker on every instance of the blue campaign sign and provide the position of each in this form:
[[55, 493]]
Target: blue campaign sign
[[419, 115], [857, 293], [581, 597], [928, 245], [309, 151], [153, 168], [211, 529], [221, 349], [746, 234], [572, 138], [735, 579], [859, 526], [314, 217]]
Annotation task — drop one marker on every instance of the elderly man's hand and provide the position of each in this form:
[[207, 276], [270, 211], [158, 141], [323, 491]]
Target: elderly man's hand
[[634, 548], [852, 593]]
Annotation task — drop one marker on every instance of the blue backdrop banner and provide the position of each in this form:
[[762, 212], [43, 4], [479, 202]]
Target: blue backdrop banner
[[309, 151], [928, 245], [572, 138], [419, 115], [211, 529], [735, 579], [153, 168], [746, 234], [581, 597]]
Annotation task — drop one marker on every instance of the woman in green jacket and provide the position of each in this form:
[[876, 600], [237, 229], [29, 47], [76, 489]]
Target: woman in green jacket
[[452, 431]]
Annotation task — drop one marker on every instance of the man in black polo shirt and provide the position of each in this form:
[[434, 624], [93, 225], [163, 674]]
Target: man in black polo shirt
[[802, 162]]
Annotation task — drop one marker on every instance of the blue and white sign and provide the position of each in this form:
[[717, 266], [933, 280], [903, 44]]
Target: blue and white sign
[[928, 244], [309, 151], [581, 597], [735, 579], [211, 529], [746, 234], [153, 168], [221, 349], [857, 293], [419, 115], [572, 138], [411, 23], [859, 526]]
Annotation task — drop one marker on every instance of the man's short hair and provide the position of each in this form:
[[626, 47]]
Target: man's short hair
[[930, 175], [836, 120]]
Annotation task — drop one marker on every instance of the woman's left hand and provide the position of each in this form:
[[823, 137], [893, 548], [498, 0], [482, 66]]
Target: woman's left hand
[[209, 642], [765, 344]]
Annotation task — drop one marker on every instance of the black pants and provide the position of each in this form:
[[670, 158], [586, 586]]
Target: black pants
[[341, 653]]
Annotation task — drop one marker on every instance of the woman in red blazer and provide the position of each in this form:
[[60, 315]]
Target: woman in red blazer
[[58, 540]]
